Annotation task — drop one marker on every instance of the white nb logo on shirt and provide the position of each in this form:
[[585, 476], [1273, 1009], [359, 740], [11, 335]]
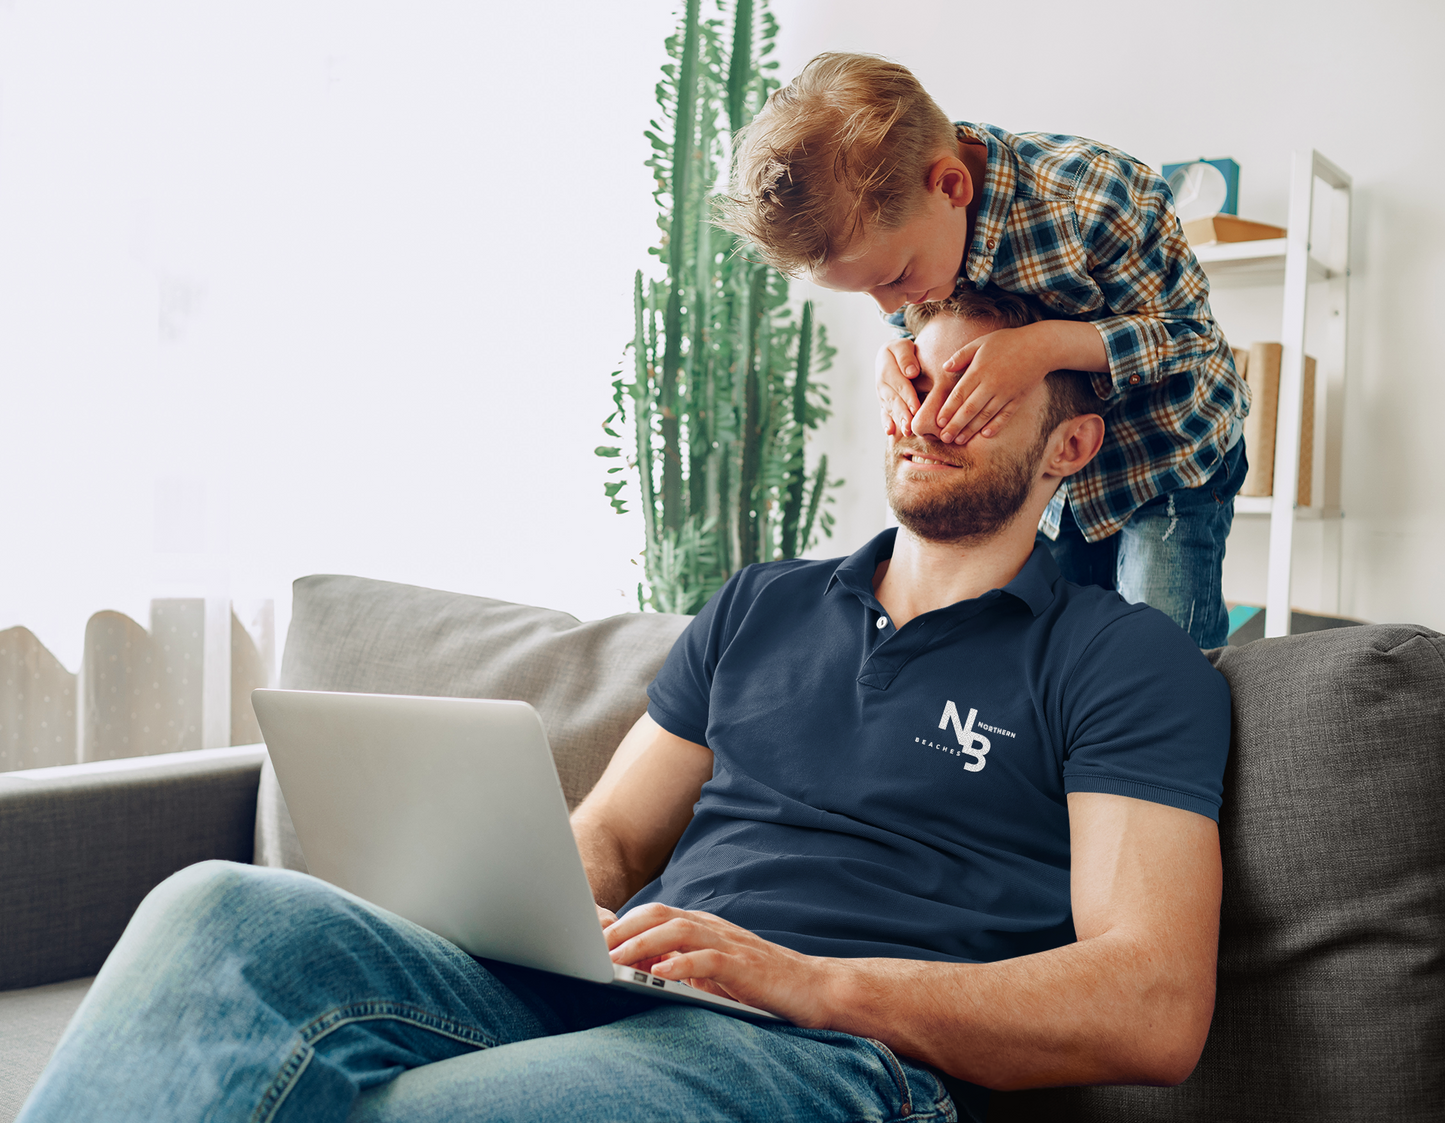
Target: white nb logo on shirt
[[973, 743]]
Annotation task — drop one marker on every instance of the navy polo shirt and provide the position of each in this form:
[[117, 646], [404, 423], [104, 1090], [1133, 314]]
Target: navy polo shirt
[[901, 791]]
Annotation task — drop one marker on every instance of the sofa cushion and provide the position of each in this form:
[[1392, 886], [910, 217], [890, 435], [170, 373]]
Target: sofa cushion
[[587, 681], [1331, 1000], [31, 1022]]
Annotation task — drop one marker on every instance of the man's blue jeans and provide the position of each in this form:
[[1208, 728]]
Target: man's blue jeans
[[1170, 554], [266, 996]]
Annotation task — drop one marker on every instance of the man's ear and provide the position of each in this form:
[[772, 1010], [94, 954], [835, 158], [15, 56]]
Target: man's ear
[[1074, 443], [950, 175]]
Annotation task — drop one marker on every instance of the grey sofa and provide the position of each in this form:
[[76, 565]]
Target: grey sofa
[[1331, 1000]]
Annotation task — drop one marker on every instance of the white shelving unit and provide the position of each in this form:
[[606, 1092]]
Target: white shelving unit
[[1312, 262]]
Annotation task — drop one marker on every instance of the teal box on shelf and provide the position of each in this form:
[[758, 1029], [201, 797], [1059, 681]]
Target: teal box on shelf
[[1226, 167]]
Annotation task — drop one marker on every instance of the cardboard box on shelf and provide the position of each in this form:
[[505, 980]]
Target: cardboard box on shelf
[[1228, 228]]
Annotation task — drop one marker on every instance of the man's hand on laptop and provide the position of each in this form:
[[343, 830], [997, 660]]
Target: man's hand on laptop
[[715, 955], [606, 916]]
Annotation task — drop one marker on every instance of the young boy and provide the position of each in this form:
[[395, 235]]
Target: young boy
[[854, 176]]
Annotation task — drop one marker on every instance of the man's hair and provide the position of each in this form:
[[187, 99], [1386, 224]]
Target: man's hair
[[1071, 392], [848, 143]]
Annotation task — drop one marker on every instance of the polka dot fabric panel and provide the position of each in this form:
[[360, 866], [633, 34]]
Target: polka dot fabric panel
[[37, 704]]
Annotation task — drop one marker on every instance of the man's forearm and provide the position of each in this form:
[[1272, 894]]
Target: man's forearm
[[1098, 1011], [1129, 1002]]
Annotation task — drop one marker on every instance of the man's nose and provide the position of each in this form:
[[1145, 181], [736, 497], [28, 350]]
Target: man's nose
[[925, 421], [887, 301]]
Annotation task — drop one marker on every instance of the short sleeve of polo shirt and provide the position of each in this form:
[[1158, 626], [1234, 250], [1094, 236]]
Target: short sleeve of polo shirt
[[1145, 715], [678, 698]]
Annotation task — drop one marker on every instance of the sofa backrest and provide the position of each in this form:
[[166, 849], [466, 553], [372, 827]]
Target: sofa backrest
[[587, 681]]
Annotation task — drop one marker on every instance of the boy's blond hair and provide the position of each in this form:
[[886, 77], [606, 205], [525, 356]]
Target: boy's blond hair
[[847, 144]]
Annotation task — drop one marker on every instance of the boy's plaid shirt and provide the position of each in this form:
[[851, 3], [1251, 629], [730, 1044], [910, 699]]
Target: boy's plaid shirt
[[1091, 233]]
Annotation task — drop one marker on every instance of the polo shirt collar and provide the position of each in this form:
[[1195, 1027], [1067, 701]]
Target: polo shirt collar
[[1033, 584], [1000, 183]]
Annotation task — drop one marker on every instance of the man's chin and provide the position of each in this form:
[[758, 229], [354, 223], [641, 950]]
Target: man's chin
[[928, 526], [953, 506]]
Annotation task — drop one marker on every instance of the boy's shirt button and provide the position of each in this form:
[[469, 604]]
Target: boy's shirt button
[[1133, 380], [989, 243]]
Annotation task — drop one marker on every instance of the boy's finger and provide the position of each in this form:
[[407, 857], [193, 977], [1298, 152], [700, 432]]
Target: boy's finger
[[896, 405], [907, 397], [979, 406], [905, 355], [963, 356], [956, 407], [895, 418], [890, 388], [995, 425], [983, 418], [906, 363]]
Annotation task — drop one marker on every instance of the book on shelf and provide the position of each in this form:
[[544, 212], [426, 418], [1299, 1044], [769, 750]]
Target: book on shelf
[[1259, 367], [1228, 228]]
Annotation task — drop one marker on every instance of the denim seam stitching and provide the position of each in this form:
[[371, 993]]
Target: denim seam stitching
[[895, 1069], [324, 1024], [281, 1087]]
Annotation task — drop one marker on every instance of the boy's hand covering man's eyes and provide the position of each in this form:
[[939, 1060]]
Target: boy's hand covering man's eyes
[[995, 373], [989, 377], [897, 364]]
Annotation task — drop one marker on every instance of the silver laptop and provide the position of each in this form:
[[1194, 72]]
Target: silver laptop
[[448, 812]]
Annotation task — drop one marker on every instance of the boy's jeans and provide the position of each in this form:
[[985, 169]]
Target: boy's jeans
[[263, 996], [1170, 554]]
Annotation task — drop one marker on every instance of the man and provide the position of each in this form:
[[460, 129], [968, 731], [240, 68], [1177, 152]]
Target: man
[[944, 812]]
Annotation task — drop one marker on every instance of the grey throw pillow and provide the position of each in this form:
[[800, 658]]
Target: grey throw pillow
[[587, 680]]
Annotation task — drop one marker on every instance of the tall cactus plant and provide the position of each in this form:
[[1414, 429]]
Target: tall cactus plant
[[713, 411]]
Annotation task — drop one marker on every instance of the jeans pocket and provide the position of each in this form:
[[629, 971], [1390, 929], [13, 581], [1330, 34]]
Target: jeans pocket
[[921, 1094]]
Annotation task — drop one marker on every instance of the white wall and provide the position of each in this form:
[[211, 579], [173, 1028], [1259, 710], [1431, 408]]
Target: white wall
[[1360, 82], [327, 287], [294, 287]]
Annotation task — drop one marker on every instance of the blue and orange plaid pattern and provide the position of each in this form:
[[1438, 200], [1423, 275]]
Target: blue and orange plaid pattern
[[1092, 235]]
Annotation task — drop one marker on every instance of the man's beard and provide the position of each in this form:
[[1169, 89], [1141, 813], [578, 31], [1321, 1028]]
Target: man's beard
[[979, 503]]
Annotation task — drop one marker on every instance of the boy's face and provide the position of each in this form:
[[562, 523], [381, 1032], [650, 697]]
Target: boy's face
[[915, 262]]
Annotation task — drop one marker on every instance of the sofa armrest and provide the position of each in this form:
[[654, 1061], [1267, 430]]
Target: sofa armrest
[[80, 845]]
